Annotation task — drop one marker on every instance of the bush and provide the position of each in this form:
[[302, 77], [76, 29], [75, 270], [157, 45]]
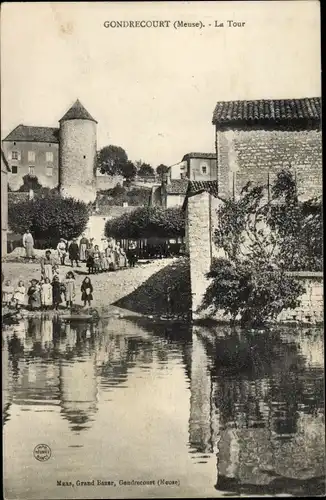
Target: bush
[[145, 222], [252, 291], [49, 218]]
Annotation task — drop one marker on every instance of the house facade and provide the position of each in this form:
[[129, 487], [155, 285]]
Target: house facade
[[257, 139], [171, 193], [195, 166], [33, 151], [5, 170]]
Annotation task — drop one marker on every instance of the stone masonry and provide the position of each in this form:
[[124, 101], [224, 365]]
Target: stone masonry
[[257, 155]]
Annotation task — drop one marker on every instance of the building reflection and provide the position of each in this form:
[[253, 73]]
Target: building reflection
[[263, 412]]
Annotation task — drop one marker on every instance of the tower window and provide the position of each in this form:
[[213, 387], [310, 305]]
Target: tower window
[[49, 171], [14, 155], [84, 157], [49, 156], [31, 170], [14, 169]]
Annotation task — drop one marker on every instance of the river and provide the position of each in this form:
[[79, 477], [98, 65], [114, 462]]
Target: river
[[194, 411]]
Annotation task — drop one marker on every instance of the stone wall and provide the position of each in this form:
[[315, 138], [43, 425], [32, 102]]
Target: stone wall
[[257, 155], [200, 217]]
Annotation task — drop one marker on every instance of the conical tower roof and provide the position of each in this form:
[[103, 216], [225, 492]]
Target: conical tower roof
[[77, 112]]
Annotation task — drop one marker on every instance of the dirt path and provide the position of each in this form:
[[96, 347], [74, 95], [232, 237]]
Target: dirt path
[[108, 287]]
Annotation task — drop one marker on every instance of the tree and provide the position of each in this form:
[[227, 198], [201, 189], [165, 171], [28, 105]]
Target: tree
[[146, 170], [49, 218], [128, 170], [30, 182], [146, 222], [111, 160], [162, 169]]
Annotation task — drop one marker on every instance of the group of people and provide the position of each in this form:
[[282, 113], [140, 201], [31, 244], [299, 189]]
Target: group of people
[[45, 293], [107, 256]]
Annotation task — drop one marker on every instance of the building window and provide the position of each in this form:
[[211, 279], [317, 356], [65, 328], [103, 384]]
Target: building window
[[31, 155], [49, 171], [14, 169], [14, 155], [204, 168], [49, 156], [31, 170]]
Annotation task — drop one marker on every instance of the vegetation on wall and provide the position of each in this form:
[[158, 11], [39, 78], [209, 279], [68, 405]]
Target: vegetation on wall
[[136, 196], [263, 237], [146, 222], [49, 218]]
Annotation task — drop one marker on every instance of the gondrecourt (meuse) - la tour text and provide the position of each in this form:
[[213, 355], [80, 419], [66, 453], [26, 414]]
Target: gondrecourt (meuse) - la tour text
[[230, 23]]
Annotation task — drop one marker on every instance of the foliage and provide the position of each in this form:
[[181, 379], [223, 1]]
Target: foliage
[[128, 170], [146, 170], [49, 218], [250, 290], [111, 160], [162, 169], [30, 182], [280, 229], [263, 237], [145, 222], [137, 196]]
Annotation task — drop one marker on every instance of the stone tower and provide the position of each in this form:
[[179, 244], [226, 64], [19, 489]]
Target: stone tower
[[77, 154]]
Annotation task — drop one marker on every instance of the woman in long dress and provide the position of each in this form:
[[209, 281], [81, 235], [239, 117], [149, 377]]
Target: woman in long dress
[[82, 248], [28, 244]]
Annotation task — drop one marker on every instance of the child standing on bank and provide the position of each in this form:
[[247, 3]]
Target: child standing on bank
[[7, 293], [56, 292], [34, 295], [19, 294], [87, 291], [70, 285], [46, 294]]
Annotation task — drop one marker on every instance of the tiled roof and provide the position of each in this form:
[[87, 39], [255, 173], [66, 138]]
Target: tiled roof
[[267, 110], [77, 112], [4, 160], [196, 187], [34, 134], [177, 186], [203, 156]]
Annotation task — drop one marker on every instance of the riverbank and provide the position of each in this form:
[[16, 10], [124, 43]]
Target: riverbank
[[142, 289]]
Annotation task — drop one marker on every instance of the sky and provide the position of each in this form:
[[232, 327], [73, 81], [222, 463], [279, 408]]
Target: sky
[[153, 90]]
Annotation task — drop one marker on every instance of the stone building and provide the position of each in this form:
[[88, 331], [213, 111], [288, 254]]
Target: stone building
[[256, 139], [4, 202], [171, 193], [33, 151], [173, 188], [63, 156]]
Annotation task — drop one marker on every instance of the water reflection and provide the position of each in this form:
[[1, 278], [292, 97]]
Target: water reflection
[[265, 409], [255, 401]]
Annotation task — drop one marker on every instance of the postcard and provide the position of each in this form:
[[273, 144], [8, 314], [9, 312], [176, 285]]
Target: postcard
[[162, 279]]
